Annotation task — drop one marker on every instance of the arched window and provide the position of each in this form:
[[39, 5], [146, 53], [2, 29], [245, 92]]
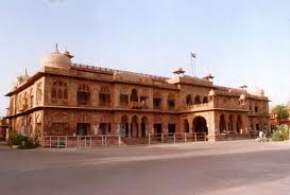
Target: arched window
[[188, 100], [83, 94], [104, 96], [53, 92], [205, 100], [59, 91], [256, 109], [134, 96], [65, 94], [157, 101], [171, 101], [197, 100]]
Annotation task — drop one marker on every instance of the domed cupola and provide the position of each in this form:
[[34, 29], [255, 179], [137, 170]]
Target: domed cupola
[[57, 59]]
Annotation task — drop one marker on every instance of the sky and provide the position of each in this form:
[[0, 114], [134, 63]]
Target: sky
[[239, 42]]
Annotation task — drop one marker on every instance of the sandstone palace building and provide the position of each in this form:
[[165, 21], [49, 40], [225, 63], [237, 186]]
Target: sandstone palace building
[[68, 99]]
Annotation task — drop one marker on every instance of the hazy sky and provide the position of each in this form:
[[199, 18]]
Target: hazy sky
[[238, 41]]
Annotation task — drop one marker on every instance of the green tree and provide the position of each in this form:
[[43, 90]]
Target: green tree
[[281, 111]]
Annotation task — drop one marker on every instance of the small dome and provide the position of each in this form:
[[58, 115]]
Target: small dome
[[211, 92], [57, 59]]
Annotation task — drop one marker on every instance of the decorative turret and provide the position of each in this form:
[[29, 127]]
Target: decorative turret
[[20, 79], [209, 77], [211, 93], [242, 97]]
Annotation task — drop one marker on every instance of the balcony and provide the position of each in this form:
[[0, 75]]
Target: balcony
[[199, 107], [138, 105]]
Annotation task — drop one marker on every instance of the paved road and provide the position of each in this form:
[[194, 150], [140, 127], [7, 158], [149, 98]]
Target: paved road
[[241, 167]]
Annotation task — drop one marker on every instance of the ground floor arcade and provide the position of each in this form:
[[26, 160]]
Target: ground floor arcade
[[214, 124]]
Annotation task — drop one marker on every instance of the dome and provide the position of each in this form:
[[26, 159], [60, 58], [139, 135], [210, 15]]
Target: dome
[[57, 60], [20, 79]]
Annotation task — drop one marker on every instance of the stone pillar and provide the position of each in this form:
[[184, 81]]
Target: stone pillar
[[212, 126], [96, 129], [150, 128], [190, 126], [164, 128]]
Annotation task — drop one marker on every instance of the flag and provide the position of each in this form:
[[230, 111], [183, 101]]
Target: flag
[[193, 55]]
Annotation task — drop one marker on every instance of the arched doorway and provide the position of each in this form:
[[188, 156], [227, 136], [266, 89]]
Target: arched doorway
[[124, 128], [231, 123], [199, 125], [134, 126], [144, 123], [222, 123], [239, 124], [186, 126]]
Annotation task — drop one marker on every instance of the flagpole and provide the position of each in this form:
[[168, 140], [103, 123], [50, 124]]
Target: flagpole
[[191, 63], [193, 55]]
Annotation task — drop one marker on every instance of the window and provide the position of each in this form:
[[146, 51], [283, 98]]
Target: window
[[134, 96], [171, 102], [171, 129], [58, 128], [104, 129], [205, 100], [104, 96], [59, 92], [156, 103], [143, 101], [83, 95], [83, 129], [124, 100], [256, 109], [188, 100], [197, 100], [53, 93]]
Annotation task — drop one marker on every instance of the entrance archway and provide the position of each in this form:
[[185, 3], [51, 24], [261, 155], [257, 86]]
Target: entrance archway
[[231, 123], [124, 129], [222, 124], [186, 126], [199, 125], [134, 127], [239, 125], [144, 123]]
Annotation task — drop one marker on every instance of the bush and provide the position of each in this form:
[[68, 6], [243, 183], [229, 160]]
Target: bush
[[281, 133], [23, 142]]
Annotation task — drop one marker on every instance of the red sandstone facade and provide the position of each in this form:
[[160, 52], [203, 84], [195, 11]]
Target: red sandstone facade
[[63, 98]]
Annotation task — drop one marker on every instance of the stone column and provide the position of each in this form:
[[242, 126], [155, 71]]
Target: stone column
[[96, 129], [212, 126]]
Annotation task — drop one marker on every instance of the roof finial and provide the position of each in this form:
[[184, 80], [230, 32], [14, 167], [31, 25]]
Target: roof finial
[[25, 72], [56, 48]]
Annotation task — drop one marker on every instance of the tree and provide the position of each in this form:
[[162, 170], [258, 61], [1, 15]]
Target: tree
[[281, 112]]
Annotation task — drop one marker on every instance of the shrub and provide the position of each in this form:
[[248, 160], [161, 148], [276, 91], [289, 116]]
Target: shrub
[[17, 139], [23, 142], [281, 133]]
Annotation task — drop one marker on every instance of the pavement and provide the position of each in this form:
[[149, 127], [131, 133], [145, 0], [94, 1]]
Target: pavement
[[233, 167]]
